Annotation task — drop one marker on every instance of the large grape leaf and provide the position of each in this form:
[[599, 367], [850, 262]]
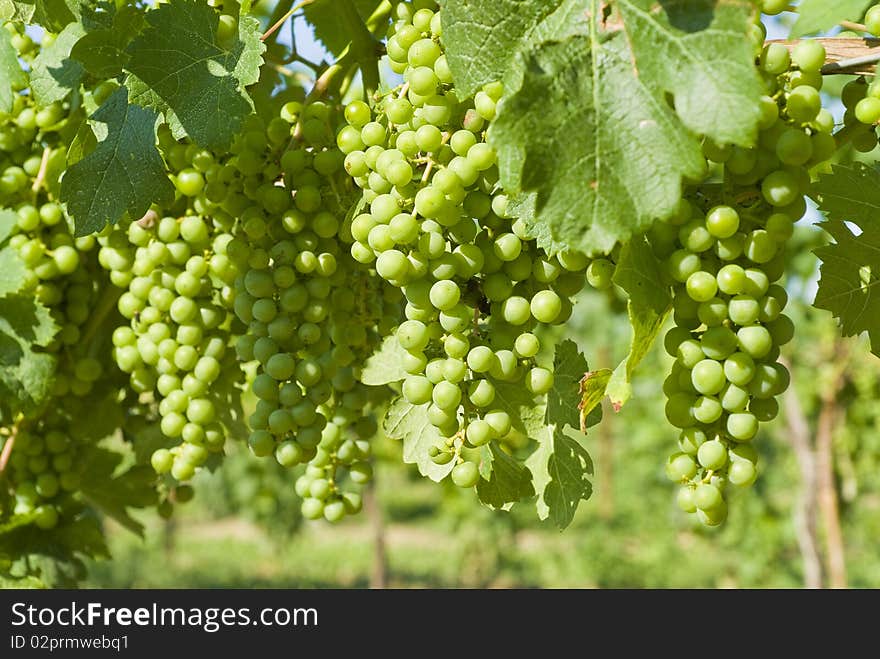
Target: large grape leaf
[[821, 15], [179, 65], [54, 74], [26, 372], [560, 466], [604, 124], [850, 270], [125, 172], [12, 76], [410, 423]]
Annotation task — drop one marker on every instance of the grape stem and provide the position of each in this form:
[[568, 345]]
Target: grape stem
[[9, 445], [41, 174], [854, 62], [281, 21], [844, 55], [852, 25]]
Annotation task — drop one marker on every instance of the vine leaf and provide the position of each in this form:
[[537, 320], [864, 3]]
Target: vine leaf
[[125, 172], [821, 15], [26, 372], [102, 49], [75, 537], [484, 37], [8, 222], [560, 466], [115, 493], [12, 77], [410, 423], [850, 270], [178, 65], [508, 482], [50, 14], [13, 272], [54, 74], [324, 18], [639, 273], [386, 364], [602, 119]]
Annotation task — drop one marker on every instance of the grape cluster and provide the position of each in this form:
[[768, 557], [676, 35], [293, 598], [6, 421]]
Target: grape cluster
[[60, 274], [862, 102], [724, 255], [435, 224], [177, 279], [312, 315]]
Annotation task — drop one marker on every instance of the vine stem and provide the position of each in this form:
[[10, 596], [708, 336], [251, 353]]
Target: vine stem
[[41, 174], [844, 55], [281, 21], [852, 25], [9, 445]]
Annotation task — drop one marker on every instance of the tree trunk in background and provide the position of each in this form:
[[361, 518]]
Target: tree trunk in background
[[829, 509], [606, 463], [605, 438], [379, 572], [805, 511]]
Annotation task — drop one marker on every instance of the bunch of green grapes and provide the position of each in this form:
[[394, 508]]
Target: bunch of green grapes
[[62, 275], [312, 314], [725, 255], [862, 102], [177, 279], [435, 225]]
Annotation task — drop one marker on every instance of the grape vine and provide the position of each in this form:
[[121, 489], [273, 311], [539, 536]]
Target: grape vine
[[206, 238]]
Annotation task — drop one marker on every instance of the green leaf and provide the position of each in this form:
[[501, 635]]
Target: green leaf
[[593, 388], [124, 174], [850, 270], [560, 466], [26, 374], [180, 66], [410, 423], [8, 222], [564, 398], [102, 51], [821, 15], [113, 494], [54, 74], [639, 273], [386, 365], [508, 483], [226, 396], [324, 18], [484, 37], [13, 272], [588, 126], [73, 537], [12, 77], [50, 14]]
